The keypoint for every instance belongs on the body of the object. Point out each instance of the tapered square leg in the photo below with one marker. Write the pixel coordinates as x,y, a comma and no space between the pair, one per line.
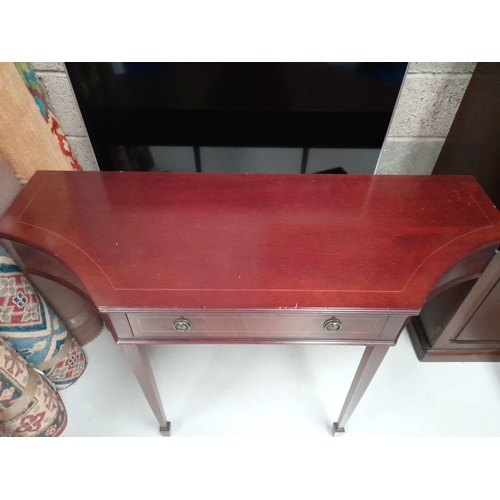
139,362
368,366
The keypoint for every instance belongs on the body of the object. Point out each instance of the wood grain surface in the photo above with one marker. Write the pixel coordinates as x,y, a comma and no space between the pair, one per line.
162,240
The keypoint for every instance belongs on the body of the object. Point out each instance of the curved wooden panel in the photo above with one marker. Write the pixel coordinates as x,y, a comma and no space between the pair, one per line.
39,263
467,268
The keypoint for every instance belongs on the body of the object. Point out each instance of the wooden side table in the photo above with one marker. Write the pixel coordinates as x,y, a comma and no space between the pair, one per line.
215,258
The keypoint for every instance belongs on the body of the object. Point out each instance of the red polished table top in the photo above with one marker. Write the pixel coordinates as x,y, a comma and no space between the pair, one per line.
148,240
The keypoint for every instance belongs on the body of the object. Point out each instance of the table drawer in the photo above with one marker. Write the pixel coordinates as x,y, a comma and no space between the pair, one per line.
286,325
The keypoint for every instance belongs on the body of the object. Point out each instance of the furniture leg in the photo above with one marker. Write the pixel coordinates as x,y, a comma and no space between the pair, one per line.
368,366
139,362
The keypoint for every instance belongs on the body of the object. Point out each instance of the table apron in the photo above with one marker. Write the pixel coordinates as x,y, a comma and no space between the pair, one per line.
255,328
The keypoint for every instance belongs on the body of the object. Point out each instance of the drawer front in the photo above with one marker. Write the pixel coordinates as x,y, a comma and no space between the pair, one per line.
284,325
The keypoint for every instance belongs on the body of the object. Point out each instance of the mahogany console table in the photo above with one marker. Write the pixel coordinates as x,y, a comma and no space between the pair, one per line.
215,258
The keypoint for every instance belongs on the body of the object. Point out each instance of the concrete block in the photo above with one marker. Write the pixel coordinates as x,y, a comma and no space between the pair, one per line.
63,103
82,150
427,105
415,156
442,67
48,66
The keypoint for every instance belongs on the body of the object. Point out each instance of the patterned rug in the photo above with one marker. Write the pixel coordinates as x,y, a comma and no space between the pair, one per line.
5,431
37,91
30,326
29,405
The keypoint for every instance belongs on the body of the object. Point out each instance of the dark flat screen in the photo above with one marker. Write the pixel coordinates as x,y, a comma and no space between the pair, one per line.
129,108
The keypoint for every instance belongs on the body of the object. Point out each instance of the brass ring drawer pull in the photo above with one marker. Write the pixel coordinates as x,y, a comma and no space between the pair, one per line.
332,325
182,325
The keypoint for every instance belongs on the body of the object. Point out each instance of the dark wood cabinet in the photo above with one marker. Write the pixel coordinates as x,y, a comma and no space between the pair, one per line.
461,322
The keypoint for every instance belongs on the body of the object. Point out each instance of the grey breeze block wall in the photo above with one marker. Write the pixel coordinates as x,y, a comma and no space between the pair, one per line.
427,104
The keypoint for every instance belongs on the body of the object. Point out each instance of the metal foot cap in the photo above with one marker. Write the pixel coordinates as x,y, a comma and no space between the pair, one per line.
165,431
337,430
